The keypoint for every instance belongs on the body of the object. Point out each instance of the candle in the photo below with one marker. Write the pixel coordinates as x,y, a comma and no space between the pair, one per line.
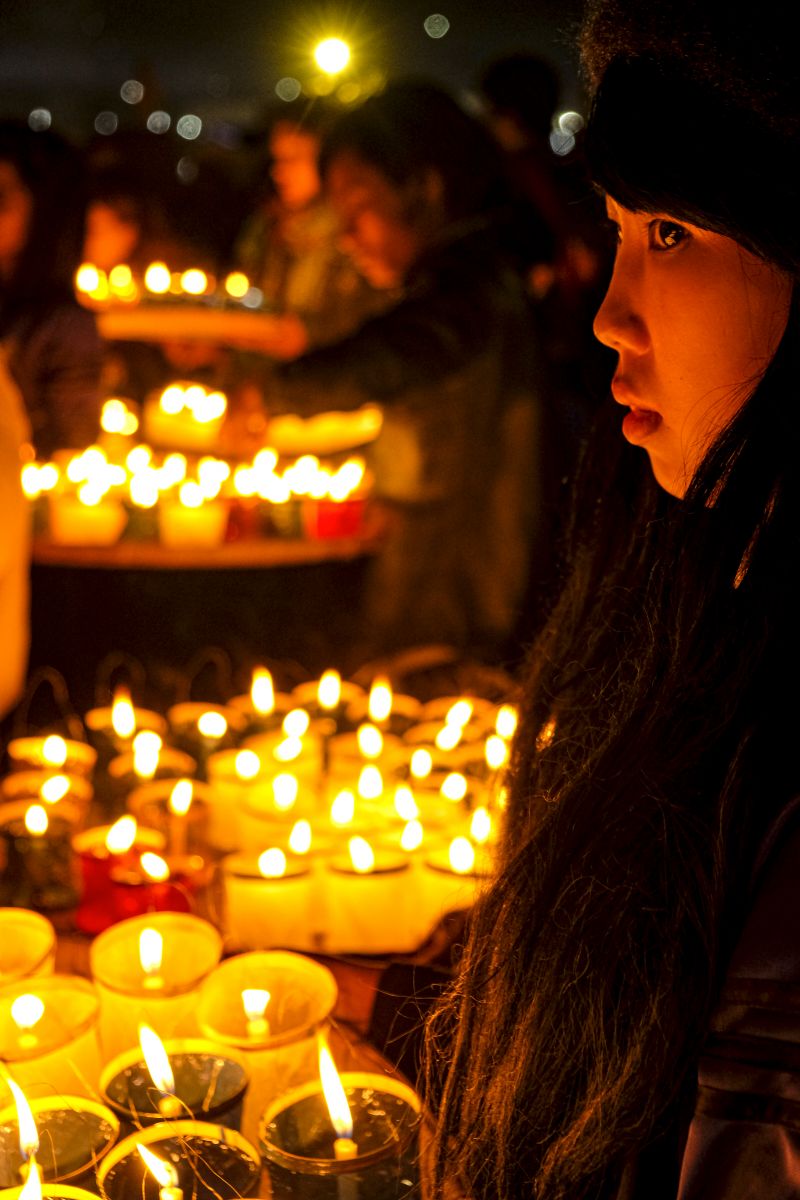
27,944
203,729
48,1035
336,1100
269,901
48,787
38,855
74,1135
192,520
164,1173
98,851
148,760
367,901
385,708
115,725
188,950
262,706
51,752
302,995
175,1080
185,832
452,879
211,1162
90,518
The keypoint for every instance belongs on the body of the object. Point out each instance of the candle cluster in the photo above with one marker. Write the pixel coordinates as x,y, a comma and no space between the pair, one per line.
121,286
94,496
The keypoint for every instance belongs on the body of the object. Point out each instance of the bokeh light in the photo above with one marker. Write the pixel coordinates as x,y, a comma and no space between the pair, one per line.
132,92
436,25
288,89
332,55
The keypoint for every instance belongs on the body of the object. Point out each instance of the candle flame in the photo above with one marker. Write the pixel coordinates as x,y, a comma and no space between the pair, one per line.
194,281
480,828
272,863
380,699
121,835
36,820
28,1134
157,278
288,750
54,751
343,808
181,797
412,836
123,718
362,856
262,692
151,951
27,1011
334,1093
54,789
421,763
448,737
300,837
284,791
329,691
154,866
212,724
506,723
454,787
370,741
247,764
461,855
157,1061
296,723
460,713
163,1172
146,751
496,752
254,1002
405,805
32,1188
370,783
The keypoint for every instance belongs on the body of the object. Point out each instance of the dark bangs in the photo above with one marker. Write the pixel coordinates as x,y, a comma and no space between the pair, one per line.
658,141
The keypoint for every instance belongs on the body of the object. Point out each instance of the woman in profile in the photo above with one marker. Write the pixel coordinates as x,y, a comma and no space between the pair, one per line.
626,1019
53,350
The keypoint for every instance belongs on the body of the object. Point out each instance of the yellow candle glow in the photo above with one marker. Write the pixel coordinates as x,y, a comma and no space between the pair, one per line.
164,1174
154,866
212,725
157,278
123,718
460,713
26,1013
380,699
329,691
461,855
506,723
448,737
300,837
36,820
362,856
370,741
247,764
262,692
181,797
272,863
480,827
151,957
285,788
343,808
336,1100
421,763
54,751
54,789
454,787
496,752
412,836
370,783
296,723
157,1062
254,1002
146,751
405,805
121,835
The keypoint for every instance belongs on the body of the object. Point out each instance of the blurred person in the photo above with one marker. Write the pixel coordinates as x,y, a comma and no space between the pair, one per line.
454,363
14,540
289,247
53,350
126,223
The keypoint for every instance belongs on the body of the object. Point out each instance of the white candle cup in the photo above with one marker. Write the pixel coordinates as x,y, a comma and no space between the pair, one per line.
346,759
75,757
443,890
306,695
281,1049
27,945
298,1141
183,833
172,764
74,1135
99,724
303,756
210,1084
367,912
204,526
74,523
228,789
59,1052
211,1163
167,998
404,712
263,722
263,913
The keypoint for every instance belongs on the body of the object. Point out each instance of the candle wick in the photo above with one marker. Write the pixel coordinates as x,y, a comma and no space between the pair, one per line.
344,1148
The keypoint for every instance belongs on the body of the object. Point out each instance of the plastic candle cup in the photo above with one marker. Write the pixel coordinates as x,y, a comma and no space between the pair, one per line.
367,900
98,850
328,697
112,728
190,520
280,1045
452,878
149,759
74,1135
38,854
49,752
48,1035
211,1162
298,1140
150,886
390,711
191,1079
27,945
263,707
203,729
89,518
233,775
184,831
269,901
49,787
149,969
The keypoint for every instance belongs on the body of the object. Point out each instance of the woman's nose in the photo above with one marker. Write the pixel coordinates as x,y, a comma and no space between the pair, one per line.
620,320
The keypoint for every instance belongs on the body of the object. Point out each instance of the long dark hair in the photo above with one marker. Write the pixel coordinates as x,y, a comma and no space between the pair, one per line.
654,749
43,274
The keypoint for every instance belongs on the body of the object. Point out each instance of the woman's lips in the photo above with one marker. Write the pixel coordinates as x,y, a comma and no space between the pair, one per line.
640,423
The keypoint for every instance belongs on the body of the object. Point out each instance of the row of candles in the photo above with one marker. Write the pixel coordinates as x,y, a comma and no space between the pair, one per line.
88,498
331,818
161,1075
98,288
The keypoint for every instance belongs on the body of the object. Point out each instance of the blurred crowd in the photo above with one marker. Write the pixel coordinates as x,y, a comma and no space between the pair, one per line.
441,264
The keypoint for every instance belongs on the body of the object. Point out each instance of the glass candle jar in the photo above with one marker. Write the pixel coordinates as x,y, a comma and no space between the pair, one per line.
48,1035
74,1135
211,1163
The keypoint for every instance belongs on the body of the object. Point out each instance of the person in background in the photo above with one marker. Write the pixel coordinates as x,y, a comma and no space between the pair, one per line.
460,464
53,350
289,247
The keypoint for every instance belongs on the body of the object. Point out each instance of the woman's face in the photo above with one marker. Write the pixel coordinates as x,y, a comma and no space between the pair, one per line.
695,320
373,215
16,204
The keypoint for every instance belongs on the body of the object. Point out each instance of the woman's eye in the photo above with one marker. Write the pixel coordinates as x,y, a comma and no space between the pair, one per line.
666,235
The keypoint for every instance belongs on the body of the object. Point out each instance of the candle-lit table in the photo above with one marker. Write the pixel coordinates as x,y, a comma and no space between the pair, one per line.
253,554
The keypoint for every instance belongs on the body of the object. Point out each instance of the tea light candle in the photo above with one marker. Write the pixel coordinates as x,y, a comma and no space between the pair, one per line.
384,708
263,708
38,858
46,1191
191,520
232,775
27,944
149,886
453,878
302,995
269,901
201,729
52,752
211,1162
179,1079
299,1139
179,809
137,984
329,697
48,1035
367,898
164,1173
86,519
114,726
48,787
98,850
150,759
74,1135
